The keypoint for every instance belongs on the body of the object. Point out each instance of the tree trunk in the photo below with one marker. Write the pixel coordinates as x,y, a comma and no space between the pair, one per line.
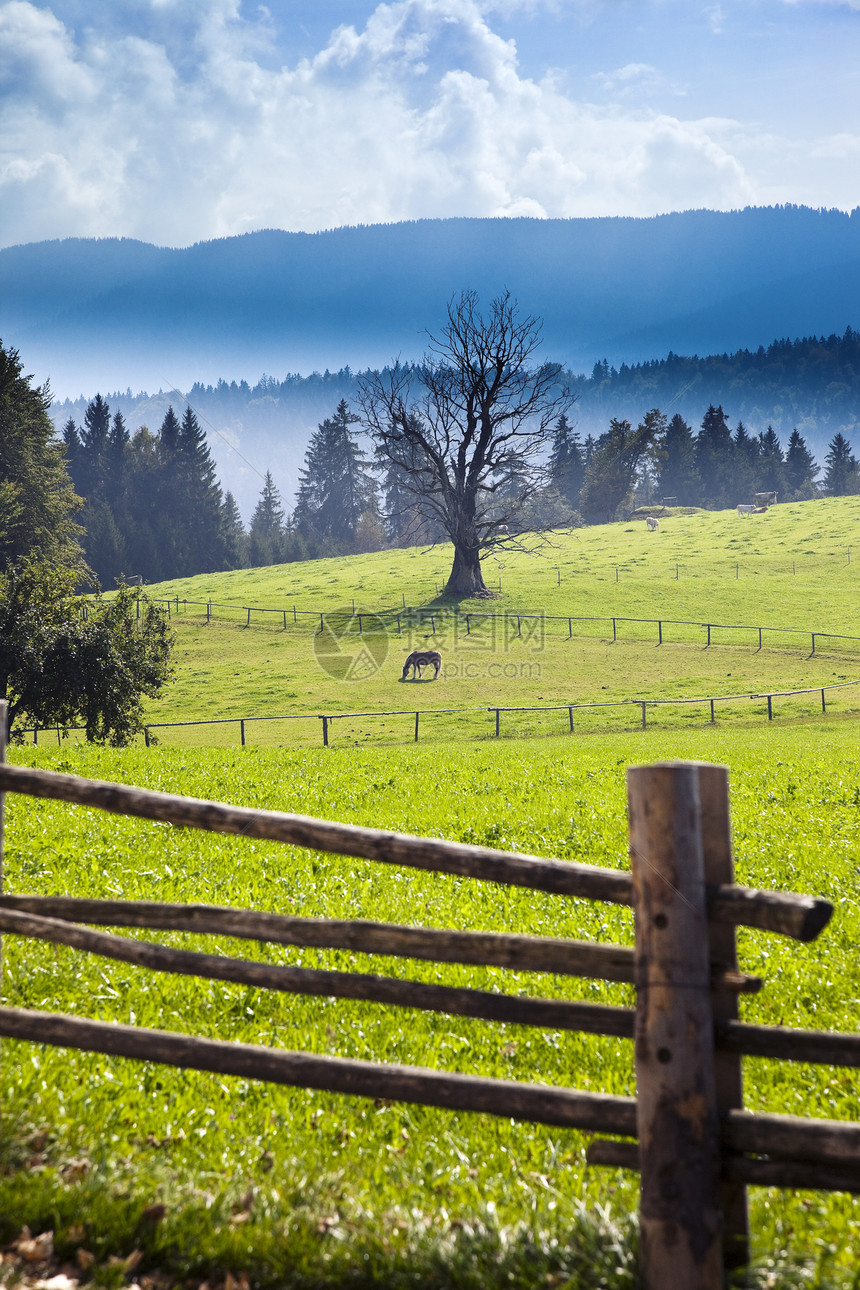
466,579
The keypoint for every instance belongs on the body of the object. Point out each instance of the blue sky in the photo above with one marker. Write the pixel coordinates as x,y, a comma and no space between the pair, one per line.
175,121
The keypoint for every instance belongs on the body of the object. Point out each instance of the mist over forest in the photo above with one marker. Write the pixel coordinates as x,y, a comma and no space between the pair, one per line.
810,384
737,327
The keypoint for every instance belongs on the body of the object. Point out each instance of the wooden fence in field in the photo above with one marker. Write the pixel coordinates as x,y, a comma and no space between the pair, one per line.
492,711
685,1131
420,618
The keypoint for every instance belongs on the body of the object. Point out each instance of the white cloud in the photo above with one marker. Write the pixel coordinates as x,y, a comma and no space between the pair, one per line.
423,112
635,81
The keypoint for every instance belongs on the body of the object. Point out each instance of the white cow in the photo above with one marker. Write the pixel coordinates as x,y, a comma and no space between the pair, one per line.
652,524
746,510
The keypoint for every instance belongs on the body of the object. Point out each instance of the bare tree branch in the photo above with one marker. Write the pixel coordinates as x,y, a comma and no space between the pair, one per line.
465,431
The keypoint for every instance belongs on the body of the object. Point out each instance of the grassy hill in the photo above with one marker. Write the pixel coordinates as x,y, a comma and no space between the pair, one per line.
793,567
301,1189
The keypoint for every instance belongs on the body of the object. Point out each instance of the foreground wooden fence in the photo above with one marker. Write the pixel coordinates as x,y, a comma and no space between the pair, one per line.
685,1130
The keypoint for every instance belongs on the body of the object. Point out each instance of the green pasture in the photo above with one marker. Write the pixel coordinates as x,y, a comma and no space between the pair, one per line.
694,559
304,1189
564,650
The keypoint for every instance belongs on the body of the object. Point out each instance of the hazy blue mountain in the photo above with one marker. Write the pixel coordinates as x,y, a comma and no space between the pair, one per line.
107,314
116,314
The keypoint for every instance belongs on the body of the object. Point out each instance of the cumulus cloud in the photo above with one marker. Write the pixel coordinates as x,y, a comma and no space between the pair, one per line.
176,122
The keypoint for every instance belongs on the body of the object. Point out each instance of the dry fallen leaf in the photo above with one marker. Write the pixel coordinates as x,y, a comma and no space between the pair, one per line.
132,1261
35,1249
84,1259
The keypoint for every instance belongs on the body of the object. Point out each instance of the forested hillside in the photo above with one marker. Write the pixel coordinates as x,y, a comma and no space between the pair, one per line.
812,385
152,503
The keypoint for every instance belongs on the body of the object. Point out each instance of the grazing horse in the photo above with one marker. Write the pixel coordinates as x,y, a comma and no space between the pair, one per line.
652,523
422,658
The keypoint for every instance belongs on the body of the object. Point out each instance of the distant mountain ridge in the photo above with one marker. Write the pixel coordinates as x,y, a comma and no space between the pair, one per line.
112,313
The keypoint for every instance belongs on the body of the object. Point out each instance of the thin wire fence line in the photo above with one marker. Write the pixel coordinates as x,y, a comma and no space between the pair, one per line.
507,616
492,709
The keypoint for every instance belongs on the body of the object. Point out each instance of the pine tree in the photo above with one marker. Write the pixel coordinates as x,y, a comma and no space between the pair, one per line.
266,534
115,458
90,474
201,516
167,505
744,472
567,460
611,473
842,476
678,476
800,468
713,457
336,488
771,463
38,502
233,535
143,501
74,450
168,437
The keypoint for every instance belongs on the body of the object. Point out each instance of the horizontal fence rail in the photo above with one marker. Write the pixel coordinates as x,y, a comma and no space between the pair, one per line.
591,1018
542,1104
591,959
826,1176
422,617
495,712
791,914
824,1142
485,949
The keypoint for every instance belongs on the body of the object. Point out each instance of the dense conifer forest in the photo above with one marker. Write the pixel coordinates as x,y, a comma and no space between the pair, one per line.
153,507
810,384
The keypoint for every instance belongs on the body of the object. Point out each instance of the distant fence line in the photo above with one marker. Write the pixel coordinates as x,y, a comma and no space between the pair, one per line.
421,616
674,570
493,711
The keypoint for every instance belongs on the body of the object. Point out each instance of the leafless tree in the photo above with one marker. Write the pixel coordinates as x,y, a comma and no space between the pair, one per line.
466,428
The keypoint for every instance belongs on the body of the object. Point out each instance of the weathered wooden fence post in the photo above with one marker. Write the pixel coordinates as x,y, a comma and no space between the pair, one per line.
728,1074
677,1119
